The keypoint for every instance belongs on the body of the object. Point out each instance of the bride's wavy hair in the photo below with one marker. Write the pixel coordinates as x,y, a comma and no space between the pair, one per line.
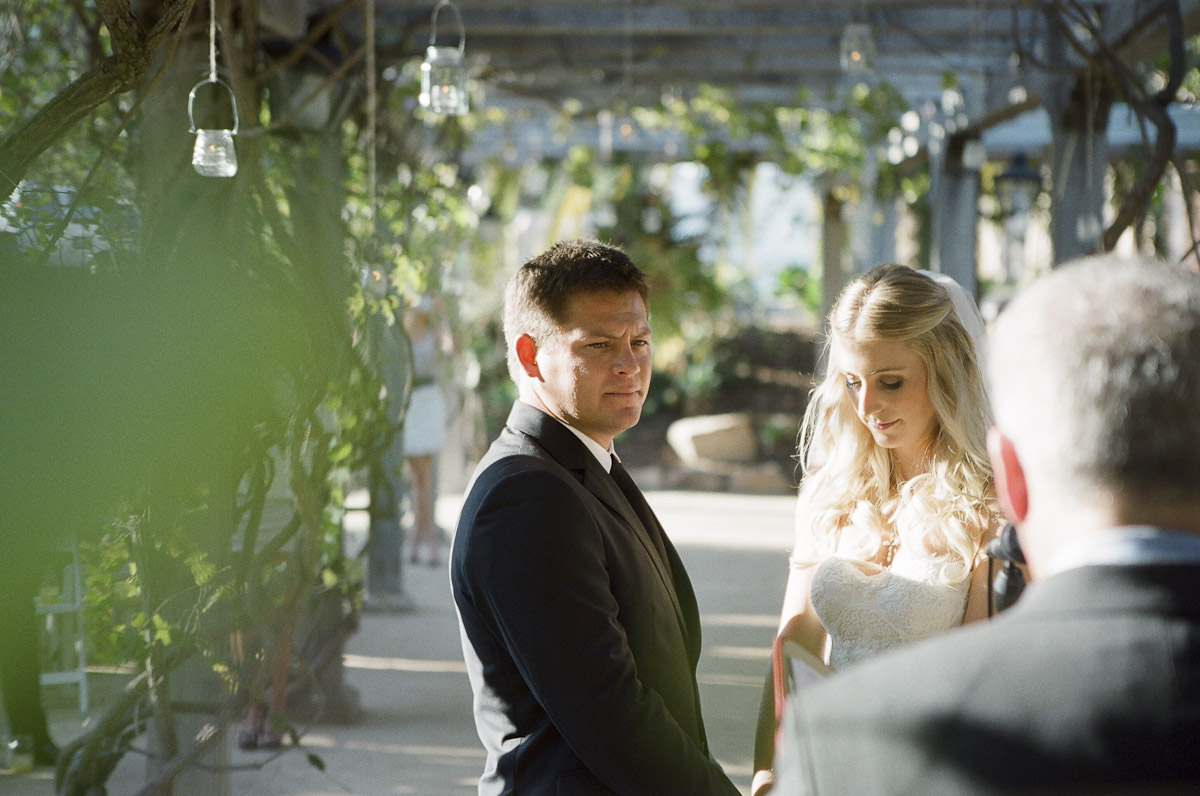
851,482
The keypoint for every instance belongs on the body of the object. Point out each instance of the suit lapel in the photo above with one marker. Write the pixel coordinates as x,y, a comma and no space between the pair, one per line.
568,451
631,506
637,501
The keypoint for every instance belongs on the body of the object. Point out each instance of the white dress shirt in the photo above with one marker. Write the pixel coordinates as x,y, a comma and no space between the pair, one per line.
605,457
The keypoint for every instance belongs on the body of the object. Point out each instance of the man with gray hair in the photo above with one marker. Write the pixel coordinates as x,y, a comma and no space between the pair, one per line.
1091,682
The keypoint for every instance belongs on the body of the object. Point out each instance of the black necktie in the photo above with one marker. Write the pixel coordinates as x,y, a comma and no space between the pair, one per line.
641,508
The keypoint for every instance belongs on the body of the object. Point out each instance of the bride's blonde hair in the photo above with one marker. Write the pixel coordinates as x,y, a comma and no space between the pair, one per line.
851,494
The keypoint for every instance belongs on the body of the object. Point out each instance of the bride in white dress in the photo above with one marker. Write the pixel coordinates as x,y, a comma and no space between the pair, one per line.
897,503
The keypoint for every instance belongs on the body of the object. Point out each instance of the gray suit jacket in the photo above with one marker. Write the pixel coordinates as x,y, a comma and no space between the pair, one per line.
580,628
1089,684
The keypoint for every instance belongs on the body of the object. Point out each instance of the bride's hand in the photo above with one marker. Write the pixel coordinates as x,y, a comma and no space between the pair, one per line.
763,782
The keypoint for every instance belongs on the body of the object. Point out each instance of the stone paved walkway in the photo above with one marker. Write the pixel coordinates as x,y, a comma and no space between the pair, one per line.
417,735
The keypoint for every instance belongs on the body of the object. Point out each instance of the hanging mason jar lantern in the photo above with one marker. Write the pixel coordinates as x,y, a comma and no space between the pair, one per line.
443,72
857,48
213,155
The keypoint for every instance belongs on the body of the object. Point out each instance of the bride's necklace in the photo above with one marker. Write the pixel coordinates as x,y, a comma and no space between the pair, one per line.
888,550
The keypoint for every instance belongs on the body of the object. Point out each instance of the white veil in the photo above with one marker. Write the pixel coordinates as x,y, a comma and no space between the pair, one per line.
968,315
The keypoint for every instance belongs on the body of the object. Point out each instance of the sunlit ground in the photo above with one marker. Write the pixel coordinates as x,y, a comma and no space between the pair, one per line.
417,734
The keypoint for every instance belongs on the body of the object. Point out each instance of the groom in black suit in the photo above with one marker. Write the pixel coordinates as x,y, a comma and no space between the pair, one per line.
579,625
1091,682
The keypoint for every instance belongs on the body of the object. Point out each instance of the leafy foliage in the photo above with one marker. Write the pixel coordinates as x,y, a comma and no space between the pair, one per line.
224,330
243,391
42,44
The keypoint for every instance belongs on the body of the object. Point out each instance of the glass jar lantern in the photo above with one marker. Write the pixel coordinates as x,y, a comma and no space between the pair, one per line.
444,71
213,154
857,48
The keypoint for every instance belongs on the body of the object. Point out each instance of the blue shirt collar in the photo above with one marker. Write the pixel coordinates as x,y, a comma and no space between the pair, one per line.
1126,546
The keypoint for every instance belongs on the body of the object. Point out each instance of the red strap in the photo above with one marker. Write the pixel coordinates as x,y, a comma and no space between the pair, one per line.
779,677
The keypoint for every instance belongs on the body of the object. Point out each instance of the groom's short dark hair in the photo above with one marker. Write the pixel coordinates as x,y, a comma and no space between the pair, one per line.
537,295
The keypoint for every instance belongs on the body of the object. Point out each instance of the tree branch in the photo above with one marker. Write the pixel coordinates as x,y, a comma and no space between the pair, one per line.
117,74
1189,209
1143,189
322,27
1106,62
127,38
1155,109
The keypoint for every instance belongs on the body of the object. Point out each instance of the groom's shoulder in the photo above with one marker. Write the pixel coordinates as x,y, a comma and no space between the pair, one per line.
515,460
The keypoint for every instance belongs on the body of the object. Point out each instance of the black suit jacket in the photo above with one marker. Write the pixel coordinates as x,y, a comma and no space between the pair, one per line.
581,637
1089,684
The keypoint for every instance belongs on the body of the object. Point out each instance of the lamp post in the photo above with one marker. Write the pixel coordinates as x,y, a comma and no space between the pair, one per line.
1017,188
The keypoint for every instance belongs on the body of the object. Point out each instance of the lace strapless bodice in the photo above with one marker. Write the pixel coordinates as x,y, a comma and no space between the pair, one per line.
867,613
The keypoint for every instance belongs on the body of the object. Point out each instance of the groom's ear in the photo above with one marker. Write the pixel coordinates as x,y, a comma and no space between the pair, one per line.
526,350
1009,476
